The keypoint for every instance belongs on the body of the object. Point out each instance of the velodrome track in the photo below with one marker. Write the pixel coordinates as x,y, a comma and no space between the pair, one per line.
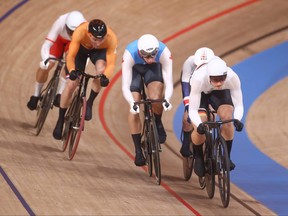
102,179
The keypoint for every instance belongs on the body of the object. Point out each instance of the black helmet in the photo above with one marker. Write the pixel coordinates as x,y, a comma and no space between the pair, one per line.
97,28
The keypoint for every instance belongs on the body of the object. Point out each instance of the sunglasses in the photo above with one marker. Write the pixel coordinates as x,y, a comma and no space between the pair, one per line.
148,55
216,79
69,31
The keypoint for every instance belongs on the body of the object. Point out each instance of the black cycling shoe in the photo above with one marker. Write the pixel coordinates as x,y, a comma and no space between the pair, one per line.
161,132
139,159
57,133
232,165
199,167
185,150
32,103
57,100
88,115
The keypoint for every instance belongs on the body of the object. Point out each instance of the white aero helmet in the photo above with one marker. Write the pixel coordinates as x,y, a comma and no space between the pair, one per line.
203,55
74,19
148,45
217,67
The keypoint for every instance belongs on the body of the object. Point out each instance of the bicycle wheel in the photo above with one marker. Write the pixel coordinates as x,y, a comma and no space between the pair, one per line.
223,171
209,174
155,151
46,103
67,124
146,147
77,126
188,163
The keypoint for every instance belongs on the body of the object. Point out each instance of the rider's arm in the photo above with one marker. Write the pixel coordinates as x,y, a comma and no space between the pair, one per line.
194,101
187,70
127,64
74,46
166,61
111,54
237,98
51,37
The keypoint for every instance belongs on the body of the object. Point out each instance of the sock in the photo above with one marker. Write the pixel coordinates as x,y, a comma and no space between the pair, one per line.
62,83
38,88
158,118
198,150
187,136
92,97
137,142
62,112
229,146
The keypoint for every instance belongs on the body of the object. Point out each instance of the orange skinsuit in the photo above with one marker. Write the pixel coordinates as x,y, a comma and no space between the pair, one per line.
80,36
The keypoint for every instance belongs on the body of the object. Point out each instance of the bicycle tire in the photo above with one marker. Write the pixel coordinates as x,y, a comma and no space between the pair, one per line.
223,171
67,125
209,167
46,103
187,164
77,126
155,151
147,149
202,182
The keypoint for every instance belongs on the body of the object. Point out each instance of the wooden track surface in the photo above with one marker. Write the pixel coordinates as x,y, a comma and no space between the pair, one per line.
102,178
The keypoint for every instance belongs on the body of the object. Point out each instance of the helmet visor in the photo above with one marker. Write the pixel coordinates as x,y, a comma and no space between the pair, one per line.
152,54
217,79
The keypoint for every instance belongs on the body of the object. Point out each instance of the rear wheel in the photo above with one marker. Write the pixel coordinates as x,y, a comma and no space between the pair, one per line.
223,171
187,164
155,152
46,103
77,126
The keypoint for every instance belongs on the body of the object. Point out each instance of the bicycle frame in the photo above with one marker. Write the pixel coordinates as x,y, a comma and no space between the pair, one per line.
47,95
75,116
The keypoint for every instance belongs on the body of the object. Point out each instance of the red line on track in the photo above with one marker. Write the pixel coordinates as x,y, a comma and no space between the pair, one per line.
118,74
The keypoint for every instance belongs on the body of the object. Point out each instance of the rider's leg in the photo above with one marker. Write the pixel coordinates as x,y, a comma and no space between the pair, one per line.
64,104
61,87
225,112
187,130
100,66
41,78
155,91
135,129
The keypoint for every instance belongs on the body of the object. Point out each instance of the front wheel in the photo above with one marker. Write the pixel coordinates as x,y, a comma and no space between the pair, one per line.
77,126
155,151
223,171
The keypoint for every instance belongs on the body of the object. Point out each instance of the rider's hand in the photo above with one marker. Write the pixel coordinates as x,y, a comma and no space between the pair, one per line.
134,109
167,105
104,81
238,125
201,128
43,65
74,74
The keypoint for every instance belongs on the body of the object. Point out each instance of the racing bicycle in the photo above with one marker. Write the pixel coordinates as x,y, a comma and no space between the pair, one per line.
47,95
149,136
75,115
217,162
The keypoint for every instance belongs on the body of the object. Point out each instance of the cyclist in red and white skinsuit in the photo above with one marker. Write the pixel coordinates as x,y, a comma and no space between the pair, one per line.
219,86
202,56
55,45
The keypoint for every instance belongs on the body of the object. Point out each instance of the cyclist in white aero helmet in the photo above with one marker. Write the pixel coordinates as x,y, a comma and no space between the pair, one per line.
55,45
151,59
202,56
216,85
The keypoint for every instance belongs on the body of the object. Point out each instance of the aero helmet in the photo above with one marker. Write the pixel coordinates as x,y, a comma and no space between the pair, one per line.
148,45
97,28
217,67
203,55
74,19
